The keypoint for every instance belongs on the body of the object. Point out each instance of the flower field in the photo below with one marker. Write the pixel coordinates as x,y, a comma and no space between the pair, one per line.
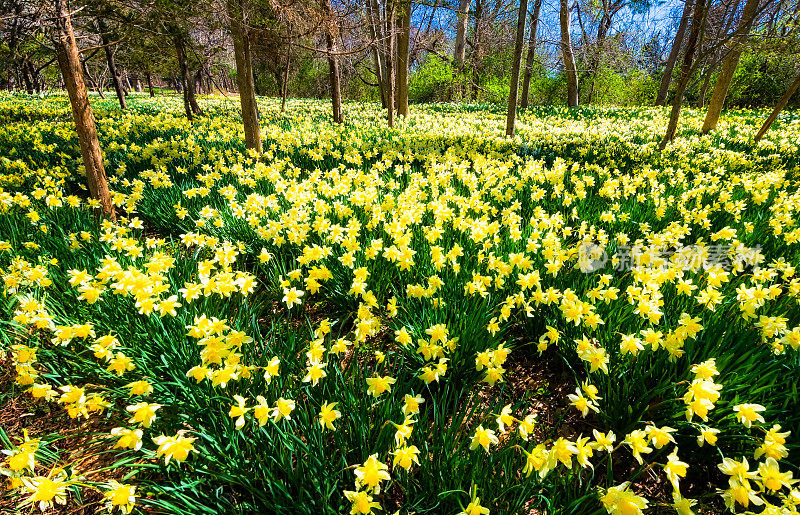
426,319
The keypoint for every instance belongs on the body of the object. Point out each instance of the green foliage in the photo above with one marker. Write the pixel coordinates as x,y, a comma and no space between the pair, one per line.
431,82
762,78
633,88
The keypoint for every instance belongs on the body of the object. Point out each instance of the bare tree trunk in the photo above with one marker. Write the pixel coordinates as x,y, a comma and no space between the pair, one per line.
36,78
376,34
127,84
112,67
336,86
285,88
150,84
186,78
729,67
568,56
511,117
403,39
526,81
26,78
793,87
663,88
460,51
698,25
594,64
477,47
244,77
701,100
88,76
70,65
389,35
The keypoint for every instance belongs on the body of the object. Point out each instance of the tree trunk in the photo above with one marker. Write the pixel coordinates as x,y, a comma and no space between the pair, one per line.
477,48
778,108
112,67
89,78
663,88
126,84
70,65
36,78
698,25
389,34
460,51
376,34
150,84
701,100
568,56
526,81
729,67
26,78
333,70
594,64
285,84
186,78
403,39
244,77
511,117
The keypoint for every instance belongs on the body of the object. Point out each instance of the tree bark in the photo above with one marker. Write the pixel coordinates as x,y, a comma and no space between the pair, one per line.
376,34
88,77
150,84
26,78
389,35
336,86
729,67
477,47
244,77
701,99
403,39
70,65
568,56
36,78
186,78
460,51
698,25
112,67
666,79
594,64
285,82
793,87
526,81
511,117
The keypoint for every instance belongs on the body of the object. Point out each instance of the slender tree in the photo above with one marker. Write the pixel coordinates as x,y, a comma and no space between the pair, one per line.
460,50
698,26
389,59
244,75
403,39
568,55
72,73
526,81
666,78
729,66
511,117
333,61
116,80
372,17
793,87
